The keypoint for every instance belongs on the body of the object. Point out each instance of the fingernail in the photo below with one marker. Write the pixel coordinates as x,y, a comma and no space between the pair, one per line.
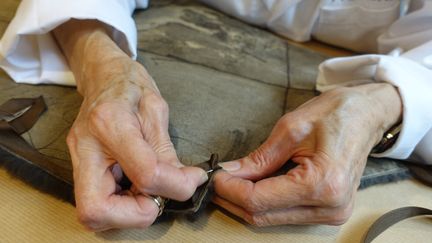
204,177
230,166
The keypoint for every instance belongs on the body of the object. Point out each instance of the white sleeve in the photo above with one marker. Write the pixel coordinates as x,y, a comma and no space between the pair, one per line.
293,19
411,73
28,51
414,83
411,30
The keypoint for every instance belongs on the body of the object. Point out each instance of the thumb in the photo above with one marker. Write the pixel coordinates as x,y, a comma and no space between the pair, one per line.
265,160
257,165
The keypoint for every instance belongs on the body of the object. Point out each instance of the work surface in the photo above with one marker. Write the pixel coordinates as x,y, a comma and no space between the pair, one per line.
29,216
211,111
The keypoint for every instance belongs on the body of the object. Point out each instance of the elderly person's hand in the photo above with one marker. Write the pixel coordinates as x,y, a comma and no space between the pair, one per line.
329,138
122,126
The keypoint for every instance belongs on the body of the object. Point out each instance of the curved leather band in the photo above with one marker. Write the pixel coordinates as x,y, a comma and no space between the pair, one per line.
393,217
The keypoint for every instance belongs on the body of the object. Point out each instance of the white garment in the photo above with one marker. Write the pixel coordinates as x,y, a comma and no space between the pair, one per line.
30,55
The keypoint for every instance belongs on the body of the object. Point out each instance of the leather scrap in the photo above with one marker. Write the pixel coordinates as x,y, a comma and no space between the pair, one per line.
393,217
21,114
21,159
18,116
423,173
202,195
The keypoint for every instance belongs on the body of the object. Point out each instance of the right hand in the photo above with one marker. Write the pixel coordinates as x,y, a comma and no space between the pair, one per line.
122,126
329,138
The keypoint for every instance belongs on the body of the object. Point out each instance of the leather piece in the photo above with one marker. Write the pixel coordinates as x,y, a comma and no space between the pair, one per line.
199,200
422,173
230,90
202,195
13,122
22,114
393,217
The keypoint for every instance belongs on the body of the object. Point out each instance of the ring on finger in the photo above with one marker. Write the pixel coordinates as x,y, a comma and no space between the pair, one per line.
159,201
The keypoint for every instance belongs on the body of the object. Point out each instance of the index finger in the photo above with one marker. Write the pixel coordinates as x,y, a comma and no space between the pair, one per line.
142,164
272,193
98,207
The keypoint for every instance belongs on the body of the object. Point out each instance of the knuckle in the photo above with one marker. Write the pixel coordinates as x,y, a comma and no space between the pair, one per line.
337,192
341,216
101,111
156,102
295,130
100,115
91,215
330,187
251,204
298,132
260,158
164,146
257,220
287,120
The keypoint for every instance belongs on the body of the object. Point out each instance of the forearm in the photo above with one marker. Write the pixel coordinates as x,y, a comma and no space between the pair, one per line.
94,58
385,106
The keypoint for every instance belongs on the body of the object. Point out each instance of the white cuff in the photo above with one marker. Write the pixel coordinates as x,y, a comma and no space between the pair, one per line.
413,80
29,53
293,19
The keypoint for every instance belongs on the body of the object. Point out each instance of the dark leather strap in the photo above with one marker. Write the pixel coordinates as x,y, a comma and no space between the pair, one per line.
202,195
422,173
393,217
21,114
18,116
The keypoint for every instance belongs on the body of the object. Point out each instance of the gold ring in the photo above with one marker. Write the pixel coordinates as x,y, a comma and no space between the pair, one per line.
160,202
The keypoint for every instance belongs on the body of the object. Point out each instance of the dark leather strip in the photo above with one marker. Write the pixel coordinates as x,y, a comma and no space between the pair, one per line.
15,145
422,173
22,114
18,116
393,217
202,195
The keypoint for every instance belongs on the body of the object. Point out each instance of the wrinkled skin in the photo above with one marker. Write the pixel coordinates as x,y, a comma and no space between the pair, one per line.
329,138
122,128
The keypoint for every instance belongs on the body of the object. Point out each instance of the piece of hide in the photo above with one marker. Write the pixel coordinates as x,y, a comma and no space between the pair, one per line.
226,82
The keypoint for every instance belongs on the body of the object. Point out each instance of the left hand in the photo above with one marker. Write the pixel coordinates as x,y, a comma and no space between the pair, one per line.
329,138
122,126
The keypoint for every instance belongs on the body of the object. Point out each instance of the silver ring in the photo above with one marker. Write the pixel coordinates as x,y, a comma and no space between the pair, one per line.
160,202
